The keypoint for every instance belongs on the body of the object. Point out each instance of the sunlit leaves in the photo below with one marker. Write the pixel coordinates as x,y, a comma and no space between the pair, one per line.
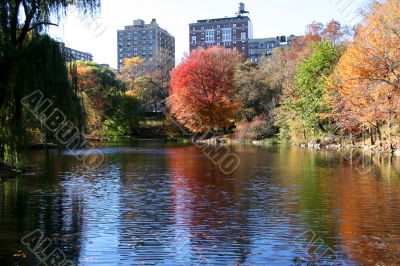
368,73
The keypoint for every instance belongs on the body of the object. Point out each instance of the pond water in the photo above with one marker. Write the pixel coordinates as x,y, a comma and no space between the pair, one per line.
151,203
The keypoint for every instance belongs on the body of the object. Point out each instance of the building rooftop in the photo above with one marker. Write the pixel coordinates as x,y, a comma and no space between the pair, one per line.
221,19
139,24
277,38
270,39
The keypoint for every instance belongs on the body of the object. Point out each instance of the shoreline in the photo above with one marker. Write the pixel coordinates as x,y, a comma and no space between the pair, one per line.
333,146
9,172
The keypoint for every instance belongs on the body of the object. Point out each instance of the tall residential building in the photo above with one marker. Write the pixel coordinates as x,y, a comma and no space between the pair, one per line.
264,46
74,55
230,32
144,41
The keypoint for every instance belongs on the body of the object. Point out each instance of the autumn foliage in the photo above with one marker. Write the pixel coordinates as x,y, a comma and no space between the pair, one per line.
202,93
367,78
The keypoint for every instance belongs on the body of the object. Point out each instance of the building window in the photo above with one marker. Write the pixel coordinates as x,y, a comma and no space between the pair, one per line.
244,37
210,36
193,40
226,35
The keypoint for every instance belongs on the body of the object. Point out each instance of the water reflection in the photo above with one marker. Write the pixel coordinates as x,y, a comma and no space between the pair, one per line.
151,203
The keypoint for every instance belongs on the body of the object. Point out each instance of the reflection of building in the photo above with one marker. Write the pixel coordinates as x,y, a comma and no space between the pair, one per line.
74,55
144,41
263,47
230,32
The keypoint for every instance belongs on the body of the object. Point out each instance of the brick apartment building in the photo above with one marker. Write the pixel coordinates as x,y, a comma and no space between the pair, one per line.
230,32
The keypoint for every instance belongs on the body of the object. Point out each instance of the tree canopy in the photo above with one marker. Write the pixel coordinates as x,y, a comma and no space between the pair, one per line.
202,94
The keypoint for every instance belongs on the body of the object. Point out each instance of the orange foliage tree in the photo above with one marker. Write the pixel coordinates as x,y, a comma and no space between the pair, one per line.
202,93
96,86
87,79
369,70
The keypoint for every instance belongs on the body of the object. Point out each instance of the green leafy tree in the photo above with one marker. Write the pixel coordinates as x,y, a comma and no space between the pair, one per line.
123,116
310,91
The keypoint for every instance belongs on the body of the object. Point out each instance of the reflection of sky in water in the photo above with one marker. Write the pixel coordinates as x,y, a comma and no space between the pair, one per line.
166,205
101,212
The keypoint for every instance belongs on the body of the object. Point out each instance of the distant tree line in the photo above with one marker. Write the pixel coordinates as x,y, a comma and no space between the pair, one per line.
333,84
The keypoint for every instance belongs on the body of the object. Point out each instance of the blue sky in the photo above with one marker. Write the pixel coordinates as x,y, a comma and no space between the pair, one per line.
270,18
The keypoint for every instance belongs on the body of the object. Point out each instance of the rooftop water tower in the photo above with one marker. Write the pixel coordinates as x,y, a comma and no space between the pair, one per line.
242,10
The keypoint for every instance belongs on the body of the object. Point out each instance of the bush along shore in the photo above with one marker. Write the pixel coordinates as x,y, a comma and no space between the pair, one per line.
326,143
337,144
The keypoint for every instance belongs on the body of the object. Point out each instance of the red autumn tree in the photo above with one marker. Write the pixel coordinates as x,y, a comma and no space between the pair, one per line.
202,93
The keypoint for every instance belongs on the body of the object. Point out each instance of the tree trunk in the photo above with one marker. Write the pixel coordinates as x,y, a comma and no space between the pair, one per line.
351,138
1,153
321,127
390,133
378,131
363,137
371,135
